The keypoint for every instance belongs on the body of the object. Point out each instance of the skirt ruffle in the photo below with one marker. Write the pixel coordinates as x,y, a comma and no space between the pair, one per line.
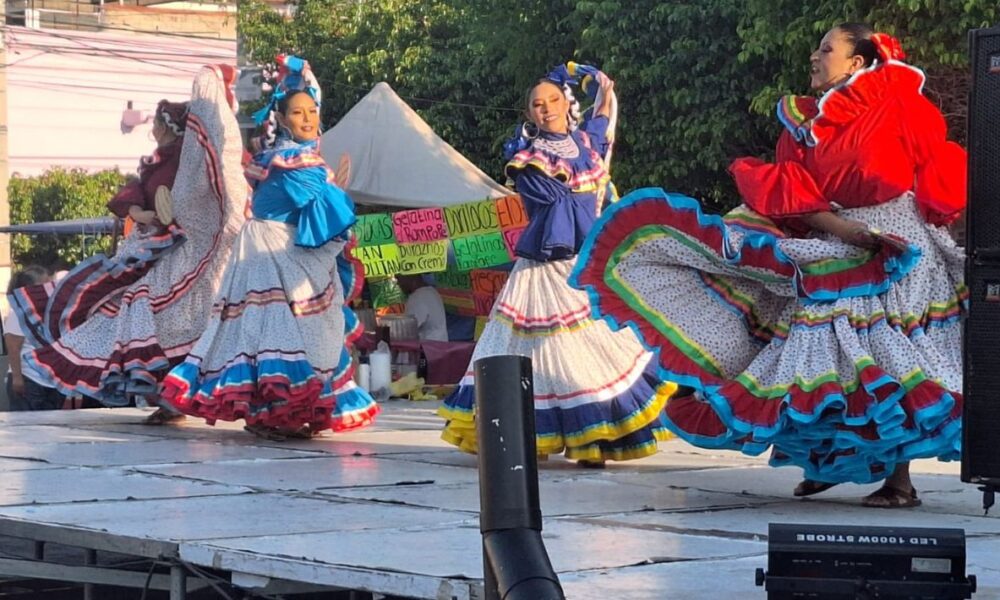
112,328
597,394
846,362
276,351
49,310
98,286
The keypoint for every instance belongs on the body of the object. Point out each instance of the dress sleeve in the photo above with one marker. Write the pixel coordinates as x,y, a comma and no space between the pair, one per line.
326,211
783,188
597,130
539,189
557,222
130,195
941,166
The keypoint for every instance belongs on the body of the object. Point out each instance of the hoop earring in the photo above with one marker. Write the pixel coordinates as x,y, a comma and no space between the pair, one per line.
529,130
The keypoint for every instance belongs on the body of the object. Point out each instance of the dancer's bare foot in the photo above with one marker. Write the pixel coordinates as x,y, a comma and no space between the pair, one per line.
163,416
281,434
272,434
888,496
808,487
302,433
896,492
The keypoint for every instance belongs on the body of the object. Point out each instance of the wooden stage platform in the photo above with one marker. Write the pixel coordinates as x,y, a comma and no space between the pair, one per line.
392,510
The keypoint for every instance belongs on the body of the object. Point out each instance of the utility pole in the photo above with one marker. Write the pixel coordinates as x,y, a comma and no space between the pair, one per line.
5,267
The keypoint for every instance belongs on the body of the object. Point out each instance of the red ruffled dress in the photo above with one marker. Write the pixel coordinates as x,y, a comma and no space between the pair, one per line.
844,361
159,168
113,327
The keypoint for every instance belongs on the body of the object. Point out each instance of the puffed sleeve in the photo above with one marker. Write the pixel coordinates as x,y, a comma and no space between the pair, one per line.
941,166
538,189
597,130
130,195
783,188
326,211
558,222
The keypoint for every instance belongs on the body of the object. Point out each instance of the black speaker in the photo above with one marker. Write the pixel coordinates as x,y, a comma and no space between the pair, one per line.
982,219
981,419
981,337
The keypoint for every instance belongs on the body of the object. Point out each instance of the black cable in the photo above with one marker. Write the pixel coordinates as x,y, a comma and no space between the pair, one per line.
149,580
210,578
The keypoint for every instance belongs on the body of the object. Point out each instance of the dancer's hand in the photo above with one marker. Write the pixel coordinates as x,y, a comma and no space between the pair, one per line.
856,233
606,83
17,385
342,177
606,94
143,217
850,231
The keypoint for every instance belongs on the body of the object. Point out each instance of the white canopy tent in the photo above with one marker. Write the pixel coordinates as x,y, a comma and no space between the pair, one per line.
398,160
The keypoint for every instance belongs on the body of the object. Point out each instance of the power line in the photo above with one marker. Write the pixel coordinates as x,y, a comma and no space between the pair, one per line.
158,32
49,88
123,54
111,49
112,52
169,34
117,84
34,38
445,102
100,53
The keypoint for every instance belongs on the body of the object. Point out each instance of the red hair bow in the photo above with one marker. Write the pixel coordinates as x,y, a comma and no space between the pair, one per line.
888,47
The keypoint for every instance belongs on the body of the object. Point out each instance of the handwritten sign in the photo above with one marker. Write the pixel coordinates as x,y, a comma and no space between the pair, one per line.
386,292
379,261
423,258
483,303
374,230
511,213
510,238
453,279
477,252
421,225
471,218
457,302
487,281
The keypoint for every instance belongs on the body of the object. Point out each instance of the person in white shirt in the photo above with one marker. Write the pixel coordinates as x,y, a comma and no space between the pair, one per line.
27,388
424,303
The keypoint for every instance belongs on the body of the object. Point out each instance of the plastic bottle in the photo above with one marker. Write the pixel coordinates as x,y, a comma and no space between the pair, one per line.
381,371
363,377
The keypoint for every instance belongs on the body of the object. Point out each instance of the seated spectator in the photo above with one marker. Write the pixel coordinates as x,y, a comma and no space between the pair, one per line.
24,383
424,303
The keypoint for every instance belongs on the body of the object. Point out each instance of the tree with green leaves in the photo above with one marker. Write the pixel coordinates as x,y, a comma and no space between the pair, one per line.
698,80
933,34
59,195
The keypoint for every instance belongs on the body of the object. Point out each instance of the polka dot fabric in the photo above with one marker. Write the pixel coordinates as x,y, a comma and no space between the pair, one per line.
842,361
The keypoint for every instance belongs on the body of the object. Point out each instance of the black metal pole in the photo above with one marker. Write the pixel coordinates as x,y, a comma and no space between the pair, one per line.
515,563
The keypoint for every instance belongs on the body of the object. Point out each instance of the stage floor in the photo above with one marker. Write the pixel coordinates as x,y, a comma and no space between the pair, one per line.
392,509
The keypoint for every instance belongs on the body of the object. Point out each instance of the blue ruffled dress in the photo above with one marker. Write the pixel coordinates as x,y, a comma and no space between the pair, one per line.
597,396
276,350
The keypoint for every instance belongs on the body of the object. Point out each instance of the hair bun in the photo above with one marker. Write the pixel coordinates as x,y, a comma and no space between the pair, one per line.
173,115
888,47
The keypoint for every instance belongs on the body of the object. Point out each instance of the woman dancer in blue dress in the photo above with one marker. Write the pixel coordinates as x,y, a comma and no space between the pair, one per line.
275,350
596,394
